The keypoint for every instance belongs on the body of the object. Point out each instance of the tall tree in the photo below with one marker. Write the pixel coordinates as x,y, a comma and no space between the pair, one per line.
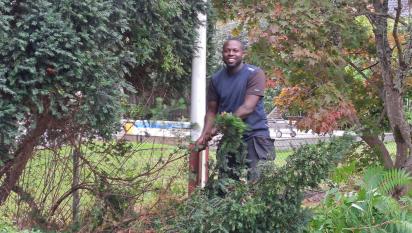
162,35
61,64
65,64
342,63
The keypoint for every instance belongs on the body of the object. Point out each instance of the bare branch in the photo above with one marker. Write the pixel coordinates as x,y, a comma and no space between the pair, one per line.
378,145
394,18
67,194
356,68
23,155
408,50
155,168
366,68
27,197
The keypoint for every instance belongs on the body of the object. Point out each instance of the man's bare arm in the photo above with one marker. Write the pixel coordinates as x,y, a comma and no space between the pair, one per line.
247,107
211,111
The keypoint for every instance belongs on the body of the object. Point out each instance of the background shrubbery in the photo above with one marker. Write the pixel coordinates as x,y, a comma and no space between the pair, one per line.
368,209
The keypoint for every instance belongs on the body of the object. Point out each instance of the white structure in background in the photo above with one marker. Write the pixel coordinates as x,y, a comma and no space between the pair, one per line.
155,129
198,92
406,8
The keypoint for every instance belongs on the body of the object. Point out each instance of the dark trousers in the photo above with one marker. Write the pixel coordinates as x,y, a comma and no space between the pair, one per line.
259,150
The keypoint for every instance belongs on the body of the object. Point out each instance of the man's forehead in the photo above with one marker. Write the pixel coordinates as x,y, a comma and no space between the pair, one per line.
233,44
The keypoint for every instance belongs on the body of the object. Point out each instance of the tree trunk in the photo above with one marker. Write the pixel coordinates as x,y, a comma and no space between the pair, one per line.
377,145
392,85
22,156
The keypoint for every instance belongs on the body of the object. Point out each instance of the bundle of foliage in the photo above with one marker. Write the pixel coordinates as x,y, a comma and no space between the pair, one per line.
271,204
231,155
342,64
370,209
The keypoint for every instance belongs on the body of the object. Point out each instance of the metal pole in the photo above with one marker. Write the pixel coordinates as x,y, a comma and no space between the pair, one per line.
198,92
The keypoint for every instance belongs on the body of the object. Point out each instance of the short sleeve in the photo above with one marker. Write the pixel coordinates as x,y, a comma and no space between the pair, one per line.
211,92
256,84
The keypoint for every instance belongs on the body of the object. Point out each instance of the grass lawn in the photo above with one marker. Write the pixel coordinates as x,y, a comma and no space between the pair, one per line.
49,175
281,156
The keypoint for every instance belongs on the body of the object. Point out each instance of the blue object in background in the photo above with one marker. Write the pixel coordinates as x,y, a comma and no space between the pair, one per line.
161,124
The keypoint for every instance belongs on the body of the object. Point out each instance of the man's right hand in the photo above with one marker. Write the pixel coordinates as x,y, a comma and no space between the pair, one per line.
201,142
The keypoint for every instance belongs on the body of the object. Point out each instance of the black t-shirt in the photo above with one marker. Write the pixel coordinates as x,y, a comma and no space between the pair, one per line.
230,90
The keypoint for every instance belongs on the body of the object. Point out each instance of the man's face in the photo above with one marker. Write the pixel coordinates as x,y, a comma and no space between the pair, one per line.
232,53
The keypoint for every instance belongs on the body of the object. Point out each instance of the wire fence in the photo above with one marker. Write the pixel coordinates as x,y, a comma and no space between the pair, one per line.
286,137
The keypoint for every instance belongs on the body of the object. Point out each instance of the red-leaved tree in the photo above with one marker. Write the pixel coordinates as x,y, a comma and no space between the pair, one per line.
342,63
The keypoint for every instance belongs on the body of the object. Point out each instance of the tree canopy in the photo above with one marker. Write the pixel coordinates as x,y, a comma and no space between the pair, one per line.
342,64
162,34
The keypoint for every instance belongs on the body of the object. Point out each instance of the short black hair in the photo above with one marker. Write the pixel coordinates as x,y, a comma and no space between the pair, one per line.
238,39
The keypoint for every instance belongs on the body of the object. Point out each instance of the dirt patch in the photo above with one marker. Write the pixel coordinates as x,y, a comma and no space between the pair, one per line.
313,197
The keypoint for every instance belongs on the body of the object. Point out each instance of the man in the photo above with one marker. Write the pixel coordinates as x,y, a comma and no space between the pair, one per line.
238,88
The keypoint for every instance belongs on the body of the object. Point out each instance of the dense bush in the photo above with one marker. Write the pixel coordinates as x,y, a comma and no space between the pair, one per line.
66,65
272,204
71,61
60,60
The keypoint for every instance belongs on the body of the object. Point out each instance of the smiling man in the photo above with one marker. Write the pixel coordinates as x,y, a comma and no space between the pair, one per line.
238,88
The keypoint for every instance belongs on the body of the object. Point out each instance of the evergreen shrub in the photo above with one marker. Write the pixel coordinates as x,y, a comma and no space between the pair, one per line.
271,204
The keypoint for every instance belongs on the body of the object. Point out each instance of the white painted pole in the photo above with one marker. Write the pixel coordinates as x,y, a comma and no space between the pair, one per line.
198,92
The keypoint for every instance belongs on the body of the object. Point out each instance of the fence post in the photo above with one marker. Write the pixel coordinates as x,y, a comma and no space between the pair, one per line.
198,168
